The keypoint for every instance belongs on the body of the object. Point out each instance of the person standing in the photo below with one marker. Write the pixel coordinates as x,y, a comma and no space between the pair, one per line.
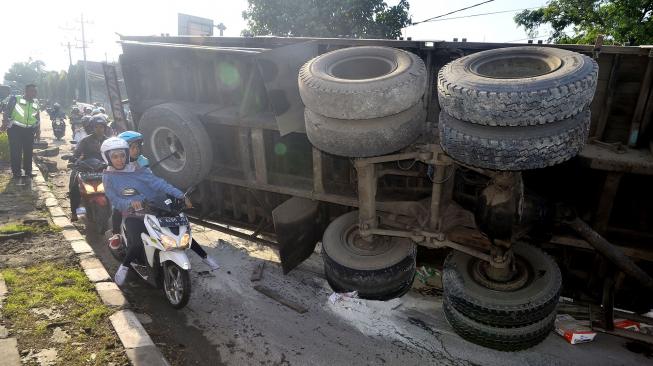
21,121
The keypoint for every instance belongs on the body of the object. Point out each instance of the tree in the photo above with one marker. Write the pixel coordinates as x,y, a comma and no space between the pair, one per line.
54,86
23,73
326,18
620,21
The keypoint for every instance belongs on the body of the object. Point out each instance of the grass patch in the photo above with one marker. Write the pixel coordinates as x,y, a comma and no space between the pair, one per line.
65,291
31,229
4,147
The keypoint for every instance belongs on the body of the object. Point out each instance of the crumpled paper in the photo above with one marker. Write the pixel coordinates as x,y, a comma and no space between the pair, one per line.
335,297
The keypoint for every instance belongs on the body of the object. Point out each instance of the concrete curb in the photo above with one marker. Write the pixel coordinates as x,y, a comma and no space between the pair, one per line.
8,346
138,345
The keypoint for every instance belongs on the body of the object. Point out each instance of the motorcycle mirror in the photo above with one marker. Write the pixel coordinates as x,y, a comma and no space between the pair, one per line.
129,192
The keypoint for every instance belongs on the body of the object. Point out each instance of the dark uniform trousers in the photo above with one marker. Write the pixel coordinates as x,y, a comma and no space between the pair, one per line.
21,143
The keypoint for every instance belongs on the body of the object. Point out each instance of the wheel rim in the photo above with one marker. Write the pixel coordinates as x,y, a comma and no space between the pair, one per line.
361,68
343,245
173,284
165,142
356,244
520,278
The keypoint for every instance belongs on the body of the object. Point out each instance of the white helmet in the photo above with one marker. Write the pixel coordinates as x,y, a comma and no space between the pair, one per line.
114,143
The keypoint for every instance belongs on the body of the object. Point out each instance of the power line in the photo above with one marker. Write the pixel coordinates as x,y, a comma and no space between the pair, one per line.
477,15
455,11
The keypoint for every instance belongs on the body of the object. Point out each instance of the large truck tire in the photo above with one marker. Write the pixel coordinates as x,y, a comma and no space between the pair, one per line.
530,296
172,133
379,271
362,82
513,148
499,338
363,138
517,86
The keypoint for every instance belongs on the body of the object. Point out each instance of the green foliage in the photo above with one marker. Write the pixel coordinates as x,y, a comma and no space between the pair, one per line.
23,73
31,229
54,86
4,147
64,290
620,21
326,18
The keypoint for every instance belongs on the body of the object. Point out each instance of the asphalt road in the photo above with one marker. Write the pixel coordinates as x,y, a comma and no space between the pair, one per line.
228,322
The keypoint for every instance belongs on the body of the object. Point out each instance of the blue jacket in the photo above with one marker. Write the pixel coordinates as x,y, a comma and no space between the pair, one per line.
149,187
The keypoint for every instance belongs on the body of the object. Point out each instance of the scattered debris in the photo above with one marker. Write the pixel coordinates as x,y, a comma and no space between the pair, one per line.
60,336
35,222
335,297
44,357
257,274
41,144
46,164
275,296
572,330
49,152
627,324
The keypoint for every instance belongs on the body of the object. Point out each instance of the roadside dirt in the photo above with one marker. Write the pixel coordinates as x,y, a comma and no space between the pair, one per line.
51,308
20,203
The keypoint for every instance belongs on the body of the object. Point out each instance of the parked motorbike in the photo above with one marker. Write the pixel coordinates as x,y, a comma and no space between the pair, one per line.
58,128
164,262
94,202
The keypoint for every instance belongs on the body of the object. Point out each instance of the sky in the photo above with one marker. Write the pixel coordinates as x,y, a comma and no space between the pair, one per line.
42,30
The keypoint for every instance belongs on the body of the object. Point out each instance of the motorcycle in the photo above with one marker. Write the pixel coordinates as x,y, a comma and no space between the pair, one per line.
95,206
164,263
58,128
78,133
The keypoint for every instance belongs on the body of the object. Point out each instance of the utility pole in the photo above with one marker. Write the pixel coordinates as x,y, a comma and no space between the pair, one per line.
222,28
70,55
88,90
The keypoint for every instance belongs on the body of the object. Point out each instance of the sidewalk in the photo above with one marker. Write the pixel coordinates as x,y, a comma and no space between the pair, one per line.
58,303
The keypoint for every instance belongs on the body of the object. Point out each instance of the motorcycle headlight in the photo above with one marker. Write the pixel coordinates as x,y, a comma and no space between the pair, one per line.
89,188
100,188
168,242
185,241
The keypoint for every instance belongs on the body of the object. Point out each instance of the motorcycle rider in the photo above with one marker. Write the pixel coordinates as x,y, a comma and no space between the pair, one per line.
121,175
56,112
87,148
135,141
75,119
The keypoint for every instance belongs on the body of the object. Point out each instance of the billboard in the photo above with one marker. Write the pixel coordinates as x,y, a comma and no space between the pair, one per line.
189,25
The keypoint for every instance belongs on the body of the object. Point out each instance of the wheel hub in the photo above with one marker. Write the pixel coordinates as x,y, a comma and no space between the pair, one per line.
517,277
173,284
357,244
168,148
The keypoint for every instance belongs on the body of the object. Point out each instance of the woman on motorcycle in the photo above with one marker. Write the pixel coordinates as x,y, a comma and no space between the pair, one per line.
121,174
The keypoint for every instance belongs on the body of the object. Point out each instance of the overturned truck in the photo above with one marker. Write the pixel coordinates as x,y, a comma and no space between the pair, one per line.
531,162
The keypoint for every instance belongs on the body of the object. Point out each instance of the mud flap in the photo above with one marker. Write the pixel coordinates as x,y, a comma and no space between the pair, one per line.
298,231
279,68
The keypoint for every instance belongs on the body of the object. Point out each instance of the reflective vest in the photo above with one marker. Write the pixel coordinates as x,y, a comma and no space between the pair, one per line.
25,112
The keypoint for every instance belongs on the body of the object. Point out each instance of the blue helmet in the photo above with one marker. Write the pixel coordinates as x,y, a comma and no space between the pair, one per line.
131,136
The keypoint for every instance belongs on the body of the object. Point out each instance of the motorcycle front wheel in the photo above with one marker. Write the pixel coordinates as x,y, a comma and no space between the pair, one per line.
176,285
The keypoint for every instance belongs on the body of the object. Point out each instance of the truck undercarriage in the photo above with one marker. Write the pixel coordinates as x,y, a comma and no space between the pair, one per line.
227,112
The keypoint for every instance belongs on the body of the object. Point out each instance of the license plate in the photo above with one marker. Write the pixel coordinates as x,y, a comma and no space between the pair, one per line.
92,176
173,221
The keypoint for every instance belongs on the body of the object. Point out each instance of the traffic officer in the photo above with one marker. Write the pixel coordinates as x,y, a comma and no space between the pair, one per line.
21,121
